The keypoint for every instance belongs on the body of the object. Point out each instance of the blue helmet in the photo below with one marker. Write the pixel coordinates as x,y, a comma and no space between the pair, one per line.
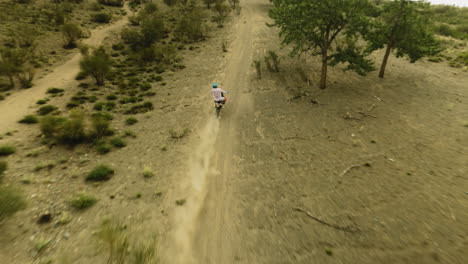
215,85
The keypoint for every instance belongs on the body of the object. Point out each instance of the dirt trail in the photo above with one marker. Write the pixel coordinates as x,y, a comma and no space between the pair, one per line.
203,224
17,105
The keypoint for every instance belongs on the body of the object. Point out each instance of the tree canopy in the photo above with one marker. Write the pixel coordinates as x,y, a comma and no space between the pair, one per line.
314,26
403,26
97,65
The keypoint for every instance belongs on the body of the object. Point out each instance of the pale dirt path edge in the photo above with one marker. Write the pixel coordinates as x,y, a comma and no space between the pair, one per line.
20,103
203,225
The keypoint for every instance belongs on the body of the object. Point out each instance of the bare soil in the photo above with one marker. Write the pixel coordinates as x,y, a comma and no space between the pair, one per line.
366,171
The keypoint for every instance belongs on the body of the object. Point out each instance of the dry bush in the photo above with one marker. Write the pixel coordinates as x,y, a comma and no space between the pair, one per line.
11,201
71,33
125,249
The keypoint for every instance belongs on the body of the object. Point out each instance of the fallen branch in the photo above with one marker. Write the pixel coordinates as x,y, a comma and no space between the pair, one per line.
372,107
377,98
366,114
349,229
367,164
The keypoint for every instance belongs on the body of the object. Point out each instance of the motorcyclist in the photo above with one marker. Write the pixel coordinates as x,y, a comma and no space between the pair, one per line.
218,95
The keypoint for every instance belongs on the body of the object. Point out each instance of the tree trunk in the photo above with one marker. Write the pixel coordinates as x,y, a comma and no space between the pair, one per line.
385,60
323,77
99,80
12,81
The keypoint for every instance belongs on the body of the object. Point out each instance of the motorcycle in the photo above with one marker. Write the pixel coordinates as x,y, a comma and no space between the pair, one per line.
219,105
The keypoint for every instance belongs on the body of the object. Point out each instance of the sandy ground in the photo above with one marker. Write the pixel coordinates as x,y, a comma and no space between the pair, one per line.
366,171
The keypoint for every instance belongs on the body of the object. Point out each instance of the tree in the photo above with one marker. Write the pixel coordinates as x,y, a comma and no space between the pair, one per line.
234,3
314,26
97,65
170,2
208,3
12,62
152,30
71,33
403,26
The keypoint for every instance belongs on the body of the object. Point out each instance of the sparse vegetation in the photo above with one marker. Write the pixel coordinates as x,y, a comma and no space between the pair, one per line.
178,134
123,249
6,150
82,201
140,108
100,173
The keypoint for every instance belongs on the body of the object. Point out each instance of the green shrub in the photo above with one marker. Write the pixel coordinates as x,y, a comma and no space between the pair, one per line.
191,27
81,76
118,142
54,90
72,131
71,33
462,58
152,30
118,46
82,201
101,17
131,37
111,97
150,8
101,126
131,121
41,102
100,173
6,150
170,2
50,125
29,119
105,116
140,108
145,86
103,148
46,109
147,172
73,104
11,201
97,65
118,3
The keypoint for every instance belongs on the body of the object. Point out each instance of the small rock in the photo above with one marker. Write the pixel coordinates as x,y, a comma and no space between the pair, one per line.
66,235
44,218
